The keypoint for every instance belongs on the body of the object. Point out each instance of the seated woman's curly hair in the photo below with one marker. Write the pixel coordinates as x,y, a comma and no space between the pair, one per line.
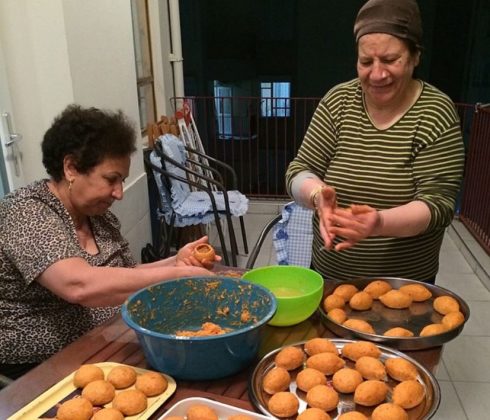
89,135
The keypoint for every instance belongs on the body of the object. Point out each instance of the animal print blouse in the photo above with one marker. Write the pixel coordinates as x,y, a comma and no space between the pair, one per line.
36,231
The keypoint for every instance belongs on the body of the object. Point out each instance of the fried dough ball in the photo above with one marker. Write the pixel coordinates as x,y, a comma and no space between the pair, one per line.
418,292
130,402
122,376
237,417
201,412
108,414
86,374
377,288
333,301
346,380
313,414
346,291
276,380
151,383
359,325
282,404
357,349
395,299
361,301
433,329
352,415
308,378
370,393
446,304
327,363
398,332
408,394
337,315
371,368
175,418
99,392
323,397
452,320
320,345
290,358
400,369
75,409
389,411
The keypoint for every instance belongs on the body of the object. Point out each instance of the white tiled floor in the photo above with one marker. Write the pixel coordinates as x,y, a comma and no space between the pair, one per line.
464,374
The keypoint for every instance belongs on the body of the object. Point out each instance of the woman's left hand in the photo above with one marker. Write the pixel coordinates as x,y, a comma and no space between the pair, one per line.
185,256
354,224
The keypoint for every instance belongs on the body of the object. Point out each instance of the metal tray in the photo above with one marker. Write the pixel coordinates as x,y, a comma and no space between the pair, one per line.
382,318
425,410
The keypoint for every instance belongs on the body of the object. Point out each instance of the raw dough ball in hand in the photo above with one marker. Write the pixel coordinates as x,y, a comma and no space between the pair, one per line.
204,252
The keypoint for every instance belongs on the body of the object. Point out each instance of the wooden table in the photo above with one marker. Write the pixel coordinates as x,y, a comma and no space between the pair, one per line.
115,342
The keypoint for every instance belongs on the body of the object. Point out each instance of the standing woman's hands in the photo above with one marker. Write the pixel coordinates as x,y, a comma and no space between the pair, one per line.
325,203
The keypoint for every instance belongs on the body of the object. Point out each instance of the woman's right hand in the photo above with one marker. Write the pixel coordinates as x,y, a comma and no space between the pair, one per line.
325,206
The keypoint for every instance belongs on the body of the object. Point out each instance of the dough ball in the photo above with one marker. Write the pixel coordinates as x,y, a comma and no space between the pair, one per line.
99,392
175,418
282,404
370,393
75,409
151,383
290,358
346,380
377,288
361,301
108,414
359,325
418,292
352,415
333,301
433,329
346,291
446,304
389,411
204,252
337,315
395,299
86,374
320,345
308,378
313,414
401,369
323,397
371,368
452,320
357,349
201,412
130,402
408,394
276,380
327,363
237,417
398,332
122,376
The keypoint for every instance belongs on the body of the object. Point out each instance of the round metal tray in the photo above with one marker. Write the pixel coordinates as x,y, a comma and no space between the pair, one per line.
425,410
382,318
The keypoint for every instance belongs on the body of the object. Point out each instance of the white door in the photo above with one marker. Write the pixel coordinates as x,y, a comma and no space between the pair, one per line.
11,173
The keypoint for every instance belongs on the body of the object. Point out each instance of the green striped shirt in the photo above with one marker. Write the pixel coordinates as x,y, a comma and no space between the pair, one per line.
420,157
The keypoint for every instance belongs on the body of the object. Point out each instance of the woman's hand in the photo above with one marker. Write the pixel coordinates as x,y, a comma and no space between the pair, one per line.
354,224
325,205
185,256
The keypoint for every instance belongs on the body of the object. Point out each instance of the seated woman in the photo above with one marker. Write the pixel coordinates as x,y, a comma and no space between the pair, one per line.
64,265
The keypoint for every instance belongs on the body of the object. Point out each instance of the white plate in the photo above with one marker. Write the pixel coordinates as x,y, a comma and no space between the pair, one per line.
222,410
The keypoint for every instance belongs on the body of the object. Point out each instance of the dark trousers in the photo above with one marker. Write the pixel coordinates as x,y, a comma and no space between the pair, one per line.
14,370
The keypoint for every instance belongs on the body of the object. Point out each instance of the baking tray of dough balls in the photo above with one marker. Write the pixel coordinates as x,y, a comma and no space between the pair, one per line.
400,313
102,391
342,379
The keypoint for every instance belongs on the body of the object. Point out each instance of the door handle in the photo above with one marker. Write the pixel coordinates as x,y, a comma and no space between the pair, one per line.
12,137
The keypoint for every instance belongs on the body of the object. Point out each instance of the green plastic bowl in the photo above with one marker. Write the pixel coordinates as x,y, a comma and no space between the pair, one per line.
298,291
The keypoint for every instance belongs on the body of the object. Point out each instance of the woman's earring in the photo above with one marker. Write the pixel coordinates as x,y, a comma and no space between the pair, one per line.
70,183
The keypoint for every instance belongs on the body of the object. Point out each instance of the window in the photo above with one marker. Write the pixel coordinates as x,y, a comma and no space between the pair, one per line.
275,99
144,72
223,96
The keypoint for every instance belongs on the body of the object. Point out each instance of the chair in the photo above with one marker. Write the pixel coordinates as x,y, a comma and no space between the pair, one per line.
192,192
292,236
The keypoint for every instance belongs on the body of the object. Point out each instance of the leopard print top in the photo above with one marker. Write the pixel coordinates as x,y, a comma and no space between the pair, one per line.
36,231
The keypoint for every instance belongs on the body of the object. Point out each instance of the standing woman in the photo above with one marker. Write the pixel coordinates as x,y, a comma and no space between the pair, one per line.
64,265
382,159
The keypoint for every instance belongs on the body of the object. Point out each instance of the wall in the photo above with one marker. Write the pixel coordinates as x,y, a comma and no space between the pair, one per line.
68,51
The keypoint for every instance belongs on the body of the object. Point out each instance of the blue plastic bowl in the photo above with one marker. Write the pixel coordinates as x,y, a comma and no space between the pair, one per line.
157,312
